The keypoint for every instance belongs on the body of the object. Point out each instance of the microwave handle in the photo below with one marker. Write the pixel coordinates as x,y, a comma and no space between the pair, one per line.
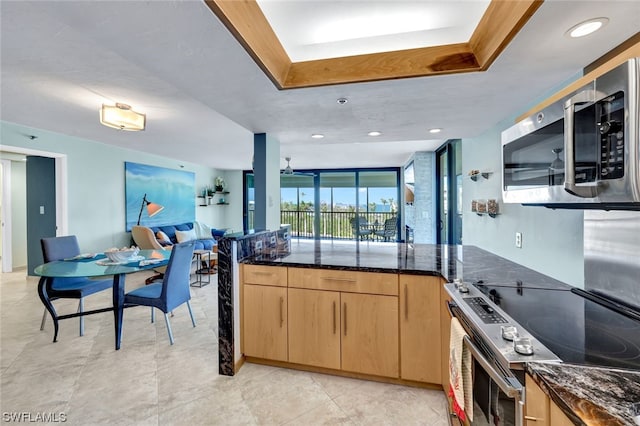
591,191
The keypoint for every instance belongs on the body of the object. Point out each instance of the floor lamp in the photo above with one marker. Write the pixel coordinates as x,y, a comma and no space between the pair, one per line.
152,208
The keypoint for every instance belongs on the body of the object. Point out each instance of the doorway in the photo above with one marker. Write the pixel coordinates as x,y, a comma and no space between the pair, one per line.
60,207
449,192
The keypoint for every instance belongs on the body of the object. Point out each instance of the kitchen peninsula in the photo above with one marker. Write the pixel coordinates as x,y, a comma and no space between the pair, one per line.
374,311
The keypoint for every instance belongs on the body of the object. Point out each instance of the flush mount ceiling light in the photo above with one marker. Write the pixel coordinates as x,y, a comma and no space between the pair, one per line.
374,133
587,27
436,130
122,117
317,136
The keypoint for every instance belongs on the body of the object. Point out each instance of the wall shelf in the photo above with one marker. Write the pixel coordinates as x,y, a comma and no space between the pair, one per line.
213,200
475,176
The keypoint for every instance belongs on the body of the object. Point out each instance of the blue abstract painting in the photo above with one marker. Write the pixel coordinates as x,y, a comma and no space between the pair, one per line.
172,189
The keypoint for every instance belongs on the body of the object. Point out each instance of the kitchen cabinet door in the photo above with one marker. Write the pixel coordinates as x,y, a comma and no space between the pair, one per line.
314,328
420,328
265,322
536,407
557,416
445,333
369,328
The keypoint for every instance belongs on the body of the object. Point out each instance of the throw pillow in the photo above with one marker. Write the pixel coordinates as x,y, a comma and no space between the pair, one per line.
162,237
203,231
183,236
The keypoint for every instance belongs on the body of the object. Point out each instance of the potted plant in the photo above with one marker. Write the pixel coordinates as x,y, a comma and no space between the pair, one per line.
219,184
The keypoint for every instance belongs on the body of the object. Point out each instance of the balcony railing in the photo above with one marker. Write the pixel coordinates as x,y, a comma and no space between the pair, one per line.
333,225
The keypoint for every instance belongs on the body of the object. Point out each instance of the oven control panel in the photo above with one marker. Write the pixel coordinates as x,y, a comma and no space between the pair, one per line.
487,314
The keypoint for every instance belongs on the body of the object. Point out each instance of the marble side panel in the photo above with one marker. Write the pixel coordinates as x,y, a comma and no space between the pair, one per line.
267,244
225,306
590,395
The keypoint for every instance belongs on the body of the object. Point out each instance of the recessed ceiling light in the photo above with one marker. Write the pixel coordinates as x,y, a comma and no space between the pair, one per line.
374,133
317,136
436,130
586,27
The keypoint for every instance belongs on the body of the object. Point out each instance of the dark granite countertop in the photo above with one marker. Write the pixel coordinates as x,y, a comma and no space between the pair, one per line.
590,395
469,263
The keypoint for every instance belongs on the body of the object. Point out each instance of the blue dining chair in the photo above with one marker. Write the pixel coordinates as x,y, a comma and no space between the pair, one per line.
60,248
174,289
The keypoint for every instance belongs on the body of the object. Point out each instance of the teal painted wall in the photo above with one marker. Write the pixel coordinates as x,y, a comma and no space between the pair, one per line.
96,184
551,239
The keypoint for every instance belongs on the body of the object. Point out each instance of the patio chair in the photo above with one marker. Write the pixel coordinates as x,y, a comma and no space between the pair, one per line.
388,233
360,228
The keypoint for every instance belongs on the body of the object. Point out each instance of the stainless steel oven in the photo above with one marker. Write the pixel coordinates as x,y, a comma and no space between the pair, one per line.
582,151
498,370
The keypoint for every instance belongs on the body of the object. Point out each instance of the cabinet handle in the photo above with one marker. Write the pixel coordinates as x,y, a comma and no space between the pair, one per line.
406,303
281,311
345,318
262,273
334,317
533,419
345,280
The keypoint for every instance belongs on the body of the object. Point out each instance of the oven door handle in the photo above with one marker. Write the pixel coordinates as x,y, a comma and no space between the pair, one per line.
509,385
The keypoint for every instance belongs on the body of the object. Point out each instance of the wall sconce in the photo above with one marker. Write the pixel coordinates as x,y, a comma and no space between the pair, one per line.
152,208
122,117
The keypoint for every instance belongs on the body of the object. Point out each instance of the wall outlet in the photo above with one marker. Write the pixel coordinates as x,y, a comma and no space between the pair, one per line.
519,239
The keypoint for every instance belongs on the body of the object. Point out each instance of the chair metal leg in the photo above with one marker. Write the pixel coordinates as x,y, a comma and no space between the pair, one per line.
153,315
80,309
193,321
166,318
44,318
42,292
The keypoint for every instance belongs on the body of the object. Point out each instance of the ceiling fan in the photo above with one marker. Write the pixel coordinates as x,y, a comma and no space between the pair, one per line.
288,171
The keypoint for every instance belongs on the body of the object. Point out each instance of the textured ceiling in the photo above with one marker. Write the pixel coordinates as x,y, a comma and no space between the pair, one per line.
205,97
315,29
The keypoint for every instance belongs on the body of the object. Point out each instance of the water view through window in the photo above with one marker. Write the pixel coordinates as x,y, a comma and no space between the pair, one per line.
353,204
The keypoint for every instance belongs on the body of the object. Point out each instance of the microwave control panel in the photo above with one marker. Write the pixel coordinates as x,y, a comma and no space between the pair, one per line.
611,129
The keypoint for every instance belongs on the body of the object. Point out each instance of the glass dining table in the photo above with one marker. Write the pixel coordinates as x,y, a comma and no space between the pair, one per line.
97,266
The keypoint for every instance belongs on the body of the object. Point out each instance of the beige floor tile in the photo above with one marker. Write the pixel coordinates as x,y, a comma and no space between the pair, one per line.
327,414
150,382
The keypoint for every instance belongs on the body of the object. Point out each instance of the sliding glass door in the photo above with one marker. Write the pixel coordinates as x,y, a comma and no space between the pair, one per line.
449,192
324,204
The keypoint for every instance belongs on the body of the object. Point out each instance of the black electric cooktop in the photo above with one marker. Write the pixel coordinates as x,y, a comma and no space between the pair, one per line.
574,328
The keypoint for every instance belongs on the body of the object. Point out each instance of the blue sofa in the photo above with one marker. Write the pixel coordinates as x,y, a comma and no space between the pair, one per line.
201,244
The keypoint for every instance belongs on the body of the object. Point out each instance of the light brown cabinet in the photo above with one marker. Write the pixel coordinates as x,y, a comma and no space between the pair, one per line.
314,328
343,320
367,324
265,275
540,410
557,416
369,328
445,333
265,322
420,328
536,409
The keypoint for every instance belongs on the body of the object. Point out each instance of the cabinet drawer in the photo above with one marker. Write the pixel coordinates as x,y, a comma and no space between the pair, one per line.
265,275
344,281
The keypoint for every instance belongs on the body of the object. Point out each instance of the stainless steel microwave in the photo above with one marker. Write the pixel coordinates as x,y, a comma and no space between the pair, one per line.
579,152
